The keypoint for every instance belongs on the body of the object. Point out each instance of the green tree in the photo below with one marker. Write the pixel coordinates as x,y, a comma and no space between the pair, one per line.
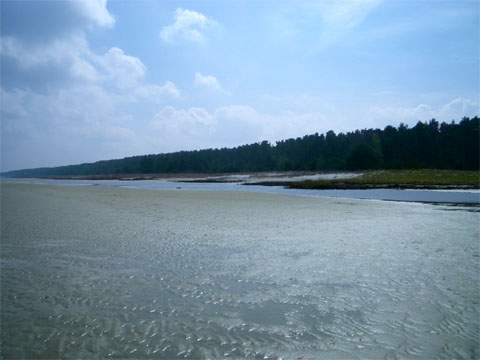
363,157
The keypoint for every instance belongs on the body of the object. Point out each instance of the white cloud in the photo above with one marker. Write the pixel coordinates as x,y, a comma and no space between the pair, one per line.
96,11
60,52
124,71
82,69
69,125
158,92
455,109
88,121
67,55
175,129
188,25
86,103
209,82
458,108
41,21
125,74
73,57
182,121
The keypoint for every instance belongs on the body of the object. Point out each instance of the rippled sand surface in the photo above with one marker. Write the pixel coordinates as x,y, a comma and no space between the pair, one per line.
123,273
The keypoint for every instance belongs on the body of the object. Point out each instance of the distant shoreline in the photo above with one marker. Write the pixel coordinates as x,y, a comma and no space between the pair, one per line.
346,186
201,177
424,179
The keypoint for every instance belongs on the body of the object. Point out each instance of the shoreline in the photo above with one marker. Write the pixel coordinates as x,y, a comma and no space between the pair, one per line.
452,195
422,179
346,186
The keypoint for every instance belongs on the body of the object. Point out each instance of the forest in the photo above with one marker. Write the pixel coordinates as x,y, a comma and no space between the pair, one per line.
427,145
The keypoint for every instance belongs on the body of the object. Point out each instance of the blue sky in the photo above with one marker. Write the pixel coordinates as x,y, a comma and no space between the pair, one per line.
90,80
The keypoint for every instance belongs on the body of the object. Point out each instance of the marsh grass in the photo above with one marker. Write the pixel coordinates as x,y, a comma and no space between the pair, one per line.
422,178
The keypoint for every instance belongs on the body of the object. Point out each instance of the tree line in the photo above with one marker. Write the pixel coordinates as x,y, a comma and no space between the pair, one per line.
425,145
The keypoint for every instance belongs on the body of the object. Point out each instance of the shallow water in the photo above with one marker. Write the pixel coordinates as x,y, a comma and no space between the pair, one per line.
95,272
459,196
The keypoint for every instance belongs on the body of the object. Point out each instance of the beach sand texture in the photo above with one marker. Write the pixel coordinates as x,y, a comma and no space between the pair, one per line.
95,272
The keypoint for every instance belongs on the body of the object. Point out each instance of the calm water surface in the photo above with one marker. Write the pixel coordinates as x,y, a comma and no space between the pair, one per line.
108,272
429,196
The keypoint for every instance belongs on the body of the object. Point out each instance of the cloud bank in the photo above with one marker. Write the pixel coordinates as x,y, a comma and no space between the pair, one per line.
66,101
61,100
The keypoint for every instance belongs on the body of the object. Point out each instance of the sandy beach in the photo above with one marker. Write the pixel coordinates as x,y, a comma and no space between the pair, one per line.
97,272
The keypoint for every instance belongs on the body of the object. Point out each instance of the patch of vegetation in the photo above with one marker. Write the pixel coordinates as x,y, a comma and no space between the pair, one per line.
401,179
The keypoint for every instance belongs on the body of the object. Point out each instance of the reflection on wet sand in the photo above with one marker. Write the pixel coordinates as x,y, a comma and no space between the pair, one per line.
96,272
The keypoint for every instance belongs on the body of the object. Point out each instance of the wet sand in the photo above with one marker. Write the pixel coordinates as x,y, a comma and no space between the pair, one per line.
243,177
95,272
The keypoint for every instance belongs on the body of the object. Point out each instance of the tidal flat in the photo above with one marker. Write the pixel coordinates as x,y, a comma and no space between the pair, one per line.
103,272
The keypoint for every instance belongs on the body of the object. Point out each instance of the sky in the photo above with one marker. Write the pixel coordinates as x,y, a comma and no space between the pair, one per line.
83,81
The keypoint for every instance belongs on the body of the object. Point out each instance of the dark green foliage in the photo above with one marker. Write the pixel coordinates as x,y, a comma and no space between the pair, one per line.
362,157
426,145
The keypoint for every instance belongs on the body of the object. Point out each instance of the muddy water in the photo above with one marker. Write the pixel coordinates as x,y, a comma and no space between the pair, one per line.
95,272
